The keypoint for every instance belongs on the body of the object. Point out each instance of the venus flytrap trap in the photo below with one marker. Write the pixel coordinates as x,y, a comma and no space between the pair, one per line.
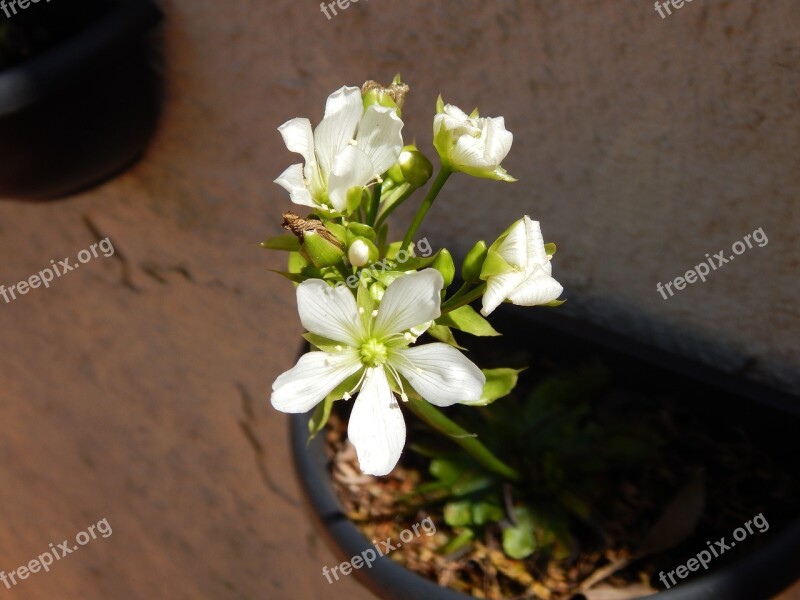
364,323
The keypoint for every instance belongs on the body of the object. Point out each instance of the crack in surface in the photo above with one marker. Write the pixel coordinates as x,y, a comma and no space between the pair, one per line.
125,274
258,448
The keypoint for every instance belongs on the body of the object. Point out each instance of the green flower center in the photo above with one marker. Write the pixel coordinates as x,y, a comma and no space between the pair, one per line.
373,353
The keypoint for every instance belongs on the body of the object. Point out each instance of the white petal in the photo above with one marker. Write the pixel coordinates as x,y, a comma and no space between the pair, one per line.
376,428
298,138
537,255
352,168
470,152
409,301
343,111
379,137
440,374
329,311
498,287
314,376
538,289
498,140
514,248
292,181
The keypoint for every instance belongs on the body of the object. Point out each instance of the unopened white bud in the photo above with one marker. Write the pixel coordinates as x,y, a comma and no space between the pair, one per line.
358,254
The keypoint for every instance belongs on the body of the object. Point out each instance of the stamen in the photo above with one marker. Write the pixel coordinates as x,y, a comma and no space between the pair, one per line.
375,313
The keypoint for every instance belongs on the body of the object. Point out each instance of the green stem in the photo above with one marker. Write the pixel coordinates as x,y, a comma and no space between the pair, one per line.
392,203
372,208
434,417
459,301
437,186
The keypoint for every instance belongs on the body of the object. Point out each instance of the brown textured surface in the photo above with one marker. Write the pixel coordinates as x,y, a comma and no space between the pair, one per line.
135,389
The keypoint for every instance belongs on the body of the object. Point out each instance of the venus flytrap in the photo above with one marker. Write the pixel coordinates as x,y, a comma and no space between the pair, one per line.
365,323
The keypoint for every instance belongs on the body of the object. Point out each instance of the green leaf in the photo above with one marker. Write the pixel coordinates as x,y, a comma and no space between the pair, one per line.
444,334
519,541
487,512
468,320
499,383
464,537
458,514
289,243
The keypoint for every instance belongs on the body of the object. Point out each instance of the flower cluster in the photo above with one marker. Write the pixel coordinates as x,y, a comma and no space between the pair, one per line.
355,172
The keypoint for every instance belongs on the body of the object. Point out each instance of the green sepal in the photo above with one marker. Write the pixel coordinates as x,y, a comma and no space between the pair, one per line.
494,265
319,418
444,334
288,243
439,105
323,343
366,304
355,230
467,319
499,383
473,262
550,249
294,277
355,195
297,262
555,303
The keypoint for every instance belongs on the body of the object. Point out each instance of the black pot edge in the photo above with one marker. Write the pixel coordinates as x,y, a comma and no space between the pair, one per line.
34,80
758,576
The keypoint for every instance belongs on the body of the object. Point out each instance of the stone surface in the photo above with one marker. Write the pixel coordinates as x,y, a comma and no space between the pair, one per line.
136,388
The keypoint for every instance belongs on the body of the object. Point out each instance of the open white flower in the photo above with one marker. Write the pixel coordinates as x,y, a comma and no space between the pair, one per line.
348,149
471,144
518,269
370,348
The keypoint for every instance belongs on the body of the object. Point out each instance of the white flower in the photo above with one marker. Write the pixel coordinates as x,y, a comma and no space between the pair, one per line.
517,268
471,144
348,149
371,347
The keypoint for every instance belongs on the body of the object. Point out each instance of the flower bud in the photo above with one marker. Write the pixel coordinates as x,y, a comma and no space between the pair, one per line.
473,262
362,252
317,244
444,264
470,143
391,96
414,166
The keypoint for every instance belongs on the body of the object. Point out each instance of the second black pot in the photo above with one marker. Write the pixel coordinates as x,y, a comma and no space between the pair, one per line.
82,111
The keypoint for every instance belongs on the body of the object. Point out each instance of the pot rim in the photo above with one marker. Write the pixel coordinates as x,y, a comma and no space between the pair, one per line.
52,71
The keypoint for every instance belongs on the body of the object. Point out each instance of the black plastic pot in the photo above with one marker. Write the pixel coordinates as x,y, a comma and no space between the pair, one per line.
758,576
82,111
